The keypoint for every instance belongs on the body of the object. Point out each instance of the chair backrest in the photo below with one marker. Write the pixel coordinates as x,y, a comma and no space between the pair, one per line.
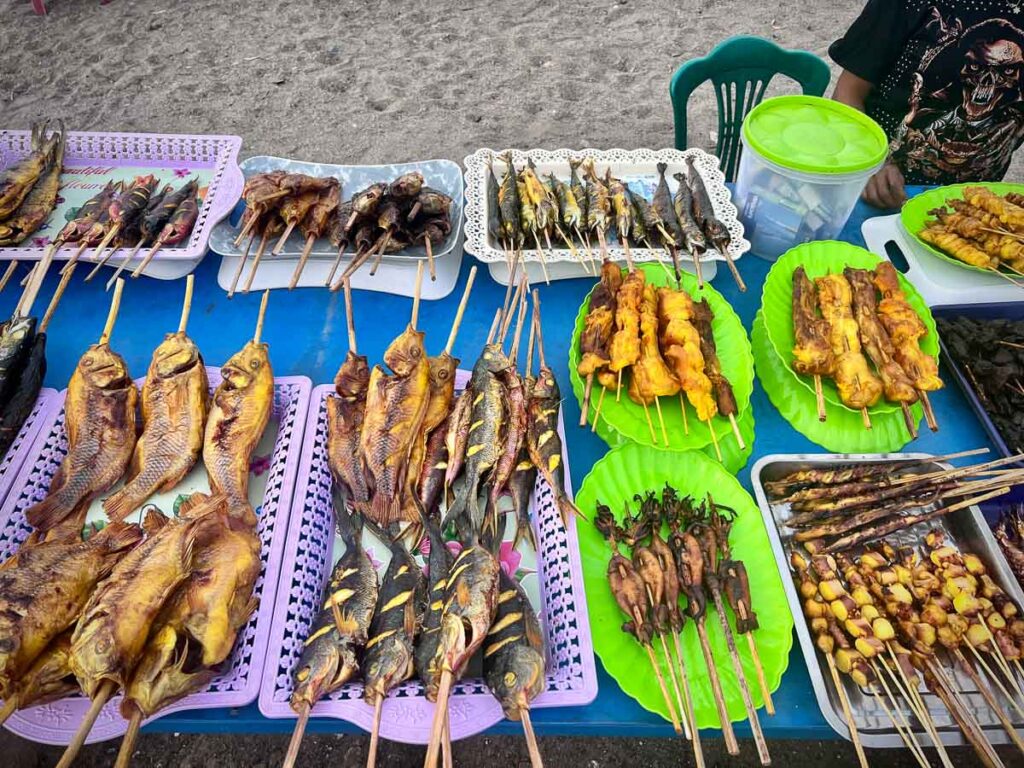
740,69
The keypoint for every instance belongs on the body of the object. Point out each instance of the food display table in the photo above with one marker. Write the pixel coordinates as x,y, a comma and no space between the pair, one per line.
307,336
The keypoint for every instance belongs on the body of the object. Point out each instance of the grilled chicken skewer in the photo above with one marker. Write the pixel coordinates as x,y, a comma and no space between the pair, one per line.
597,331
812,352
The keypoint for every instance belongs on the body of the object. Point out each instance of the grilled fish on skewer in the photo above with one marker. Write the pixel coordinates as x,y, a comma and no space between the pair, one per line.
17,180
76,229
495,227
100,424
682,203
703,211
16,338
442,391
406,186
48,679
458,436
174,400
345,411
514,437
510,204
364,203
521,486
663,205
543,442
25,392
430,482
39,202
439,565
239,411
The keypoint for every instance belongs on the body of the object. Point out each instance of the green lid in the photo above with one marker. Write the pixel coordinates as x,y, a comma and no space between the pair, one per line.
809,133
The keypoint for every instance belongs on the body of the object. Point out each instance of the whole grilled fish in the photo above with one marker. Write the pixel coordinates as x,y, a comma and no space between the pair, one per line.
568,206
483,449
24,394
39,202
100,424
407,185
17,180
514,434
15,341
599,206
704,211
342,626
430,482
239,412
683,205
181,222
395,407
622,206
578,190
543,442
44,592
663,205
173,416
514,651
439,403
439,564
111,632
344,424
87,213
388,659
521,486
458,435
510,205
494,224
48,679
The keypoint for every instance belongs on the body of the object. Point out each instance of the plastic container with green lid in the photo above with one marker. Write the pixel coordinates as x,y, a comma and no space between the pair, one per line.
805,162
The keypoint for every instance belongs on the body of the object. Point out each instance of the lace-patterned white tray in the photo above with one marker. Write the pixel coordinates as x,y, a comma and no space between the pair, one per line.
636,167
271,492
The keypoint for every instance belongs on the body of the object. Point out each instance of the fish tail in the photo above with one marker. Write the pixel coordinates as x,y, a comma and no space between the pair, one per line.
458,506
567,509
129,498
58,504
524,532
117,536
383,510
662,167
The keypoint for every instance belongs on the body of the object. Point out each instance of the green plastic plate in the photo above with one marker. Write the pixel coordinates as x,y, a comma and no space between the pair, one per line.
844,431
626,419
915,213
634,469
820,258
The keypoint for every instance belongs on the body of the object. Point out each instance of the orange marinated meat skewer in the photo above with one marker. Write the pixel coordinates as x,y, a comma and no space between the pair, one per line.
812,352
598,329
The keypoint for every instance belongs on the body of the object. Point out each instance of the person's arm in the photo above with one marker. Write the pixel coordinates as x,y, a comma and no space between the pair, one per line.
852,90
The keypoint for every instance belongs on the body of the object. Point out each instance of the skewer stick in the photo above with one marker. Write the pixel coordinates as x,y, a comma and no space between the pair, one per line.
694,731
675,682
51,308
296,741
463,302
913,697
686,702
21,299
336,264
650,424
186,308
696,267
586,399
301,266
430,257
714,438
109,235
844,701
682,410
514,347
115,306
416,296
661,420
543,259
358,260
117,272
258,333
531,739
149,257
736,432
990,699
1001,659
124,754
109,255
865,418
440,715
506,318
1003,232
728,735
279,245
540,332
908,419
604,244
241,266
897,711
820,397
618,385
597,411
995,679
762,683
494,326
75,256
676,726
446,746
105,691
907,739
255,263
248,225
371,756
929,414
379,258
11,266
965,719
349,320
35,282
732,268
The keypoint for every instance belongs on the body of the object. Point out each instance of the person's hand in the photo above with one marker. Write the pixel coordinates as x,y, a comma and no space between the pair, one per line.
885,188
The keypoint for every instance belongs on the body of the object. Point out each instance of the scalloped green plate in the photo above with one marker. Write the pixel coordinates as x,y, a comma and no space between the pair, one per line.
844,431
915,213
634,469
821,258
626,419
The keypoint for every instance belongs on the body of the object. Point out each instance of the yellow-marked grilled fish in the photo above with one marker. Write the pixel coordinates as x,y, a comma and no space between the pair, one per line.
514,651
510,205
395,407
18,179
435,463
344,423
342,626
521,486
543,441
111,632
439,563
100,424
239,412
173,416
43,593
513,436
458,435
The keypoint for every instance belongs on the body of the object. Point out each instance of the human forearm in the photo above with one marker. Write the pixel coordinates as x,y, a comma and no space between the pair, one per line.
852,90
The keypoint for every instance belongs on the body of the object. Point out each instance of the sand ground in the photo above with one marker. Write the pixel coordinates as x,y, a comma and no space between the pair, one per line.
355,82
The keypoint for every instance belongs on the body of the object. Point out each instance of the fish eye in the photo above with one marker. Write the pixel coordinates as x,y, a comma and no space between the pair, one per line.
254,364
443,374
415,352
87,362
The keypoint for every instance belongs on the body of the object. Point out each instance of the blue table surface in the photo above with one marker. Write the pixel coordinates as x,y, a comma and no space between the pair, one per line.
307,336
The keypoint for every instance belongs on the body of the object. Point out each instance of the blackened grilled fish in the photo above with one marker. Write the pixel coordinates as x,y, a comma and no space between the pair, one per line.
87,214
341,628
521,487
510,205
15,341
344,423
578,190
543,441
25,393
174,400
514,651
704,211
663,205
100,425
439,564
682,203
494,223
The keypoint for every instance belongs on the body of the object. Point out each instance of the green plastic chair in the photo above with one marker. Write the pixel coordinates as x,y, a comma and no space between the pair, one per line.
740,69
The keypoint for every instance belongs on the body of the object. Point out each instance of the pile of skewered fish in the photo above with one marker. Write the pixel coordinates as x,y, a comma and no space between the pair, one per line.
404,448
680,548
892,616
28,187
524,207
855,321
152,610
383,218
982,229
661,341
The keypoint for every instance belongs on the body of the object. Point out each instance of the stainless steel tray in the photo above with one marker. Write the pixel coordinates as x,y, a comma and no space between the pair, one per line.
967,528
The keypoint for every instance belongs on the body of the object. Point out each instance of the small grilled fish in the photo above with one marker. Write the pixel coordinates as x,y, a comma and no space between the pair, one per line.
514,434
15,341
395,407
407,185
439,403
239,412
494,224
649,217
316,221
510,205
342,626
364,203
458,435
439,562
521,485
181,222
527,213
683,205
45,590
100,424
39,202
599,206
24,394
87,213
48,679
111,632
344,423
666,212
155,217
430,482
578,190
129,205
704,211
173,416
17,180
568,207
514,651
543,442
622,207
388,658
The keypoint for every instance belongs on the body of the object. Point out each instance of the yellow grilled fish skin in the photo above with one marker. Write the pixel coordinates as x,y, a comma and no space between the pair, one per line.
174,401
100,425
49,678
239,412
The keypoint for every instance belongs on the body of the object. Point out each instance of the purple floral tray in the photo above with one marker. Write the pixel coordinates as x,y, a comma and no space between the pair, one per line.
41,418
239,683
91,159
407,715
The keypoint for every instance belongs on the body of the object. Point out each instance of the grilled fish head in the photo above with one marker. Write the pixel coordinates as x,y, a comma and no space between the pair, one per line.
245,365
176,354
493,359
546,386
103,368
325,665
405,352
353,376
170,669
518,679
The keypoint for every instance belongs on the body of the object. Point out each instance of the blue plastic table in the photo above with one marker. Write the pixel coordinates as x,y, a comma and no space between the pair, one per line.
306,332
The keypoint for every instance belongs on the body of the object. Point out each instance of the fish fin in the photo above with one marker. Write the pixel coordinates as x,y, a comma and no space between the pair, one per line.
121,504
154,521
567,509
116,536
524,532
458,506
52,510
662,167
382,511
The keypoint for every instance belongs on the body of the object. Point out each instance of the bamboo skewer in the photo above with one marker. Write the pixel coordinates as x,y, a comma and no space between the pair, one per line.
105,691
336,264
296,740
186,307
728,735
147,259
990,699
865,418
906,738
691,715
11,267
371,756
898,718
255,263
844,702
762,682
440,716
676,725
124,754
820,397
650,424
732,268
115,306
458,313
543,259
586,399
279,245
661,420
75,256
446,746
908,419
913,697
995,679
57,294
258,333
416,296
714,439
241,265
736,432
430,257
531,739
967,722
682,410
597,411
301,266
929,414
